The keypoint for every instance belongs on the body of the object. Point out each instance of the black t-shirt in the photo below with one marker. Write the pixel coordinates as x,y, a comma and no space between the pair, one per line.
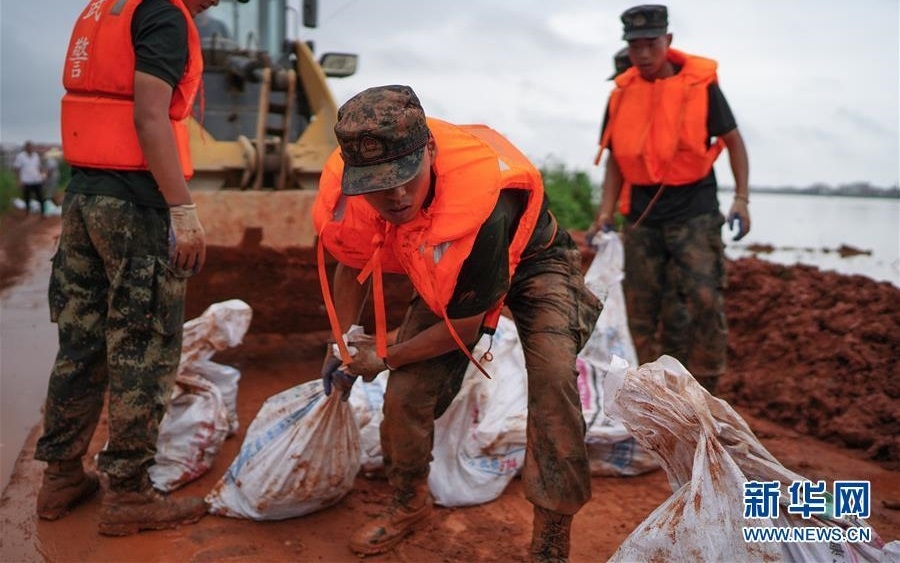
690,200
484,276
159,36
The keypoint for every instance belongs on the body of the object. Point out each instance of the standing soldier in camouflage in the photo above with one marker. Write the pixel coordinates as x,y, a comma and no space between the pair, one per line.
130,238
666,123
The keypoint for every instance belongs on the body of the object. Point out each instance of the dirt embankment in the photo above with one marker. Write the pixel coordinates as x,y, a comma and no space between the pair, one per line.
818,352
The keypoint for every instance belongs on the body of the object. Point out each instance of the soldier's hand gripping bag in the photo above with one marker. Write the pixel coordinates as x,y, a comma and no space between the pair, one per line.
301,454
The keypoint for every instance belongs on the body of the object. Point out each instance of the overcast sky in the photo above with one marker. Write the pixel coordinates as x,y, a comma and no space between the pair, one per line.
813,83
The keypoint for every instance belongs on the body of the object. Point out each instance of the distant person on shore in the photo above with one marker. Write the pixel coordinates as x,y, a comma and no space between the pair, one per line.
666,188
130,238
462,213
30,176
51,169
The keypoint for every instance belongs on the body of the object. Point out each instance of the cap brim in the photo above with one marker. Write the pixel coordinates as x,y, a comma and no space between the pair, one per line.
644,34
358,180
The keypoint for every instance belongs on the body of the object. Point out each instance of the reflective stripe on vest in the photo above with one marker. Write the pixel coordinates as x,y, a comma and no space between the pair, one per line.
98,107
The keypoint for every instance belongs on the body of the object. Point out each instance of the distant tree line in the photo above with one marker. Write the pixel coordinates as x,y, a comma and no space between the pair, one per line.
855,189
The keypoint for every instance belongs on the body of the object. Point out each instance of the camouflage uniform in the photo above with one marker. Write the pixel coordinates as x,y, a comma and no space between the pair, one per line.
554,314
675,274
119,310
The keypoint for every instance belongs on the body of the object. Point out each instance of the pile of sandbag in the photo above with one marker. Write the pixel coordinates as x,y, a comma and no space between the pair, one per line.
479,442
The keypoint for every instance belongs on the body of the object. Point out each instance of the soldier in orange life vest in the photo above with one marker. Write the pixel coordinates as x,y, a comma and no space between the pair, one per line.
130,238
666,123
462,213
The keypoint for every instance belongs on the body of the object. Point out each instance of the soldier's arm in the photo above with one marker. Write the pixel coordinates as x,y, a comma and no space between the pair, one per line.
152,96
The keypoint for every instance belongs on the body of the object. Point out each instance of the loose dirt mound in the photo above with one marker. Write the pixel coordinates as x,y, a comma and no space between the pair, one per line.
818,352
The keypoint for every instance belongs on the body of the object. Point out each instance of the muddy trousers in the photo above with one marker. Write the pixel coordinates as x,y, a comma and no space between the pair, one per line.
555,315
674,291
119,311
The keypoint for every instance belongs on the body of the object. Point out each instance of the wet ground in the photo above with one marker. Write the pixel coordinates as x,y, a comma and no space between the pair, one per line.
27,338
790,351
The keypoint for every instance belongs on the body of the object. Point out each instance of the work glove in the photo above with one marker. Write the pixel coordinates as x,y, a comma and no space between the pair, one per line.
333,377
739,215
603,224
366,363
187,240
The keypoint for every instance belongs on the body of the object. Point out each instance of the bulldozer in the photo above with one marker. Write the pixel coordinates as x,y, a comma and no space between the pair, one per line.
261,131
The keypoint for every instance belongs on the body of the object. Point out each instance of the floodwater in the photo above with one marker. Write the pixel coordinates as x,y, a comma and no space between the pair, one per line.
27,348
811,229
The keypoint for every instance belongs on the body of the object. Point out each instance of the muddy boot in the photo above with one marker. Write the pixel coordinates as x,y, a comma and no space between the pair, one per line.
407,511
550,536
65,486
128,512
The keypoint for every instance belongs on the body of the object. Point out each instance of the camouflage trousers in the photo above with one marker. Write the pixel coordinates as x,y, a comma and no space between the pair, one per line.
555,314
119,311
674,284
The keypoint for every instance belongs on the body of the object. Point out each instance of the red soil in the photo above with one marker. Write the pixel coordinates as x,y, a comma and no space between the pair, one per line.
812,367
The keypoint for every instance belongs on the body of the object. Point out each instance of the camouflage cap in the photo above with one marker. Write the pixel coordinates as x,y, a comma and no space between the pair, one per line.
647,21
382,133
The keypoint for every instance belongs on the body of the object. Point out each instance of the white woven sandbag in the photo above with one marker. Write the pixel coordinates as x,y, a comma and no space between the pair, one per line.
190,434
301,454
709,452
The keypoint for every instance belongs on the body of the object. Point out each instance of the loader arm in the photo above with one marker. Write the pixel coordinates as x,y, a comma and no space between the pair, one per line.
309,153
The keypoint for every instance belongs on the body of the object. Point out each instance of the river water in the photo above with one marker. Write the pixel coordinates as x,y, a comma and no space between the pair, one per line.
809,229
802,229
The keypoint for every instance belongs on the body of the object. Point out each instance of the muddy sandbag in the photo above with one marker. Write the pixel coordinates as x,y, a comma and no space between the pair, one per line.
479,442
612,452
301,454
367,403
223,325
709,454
202,411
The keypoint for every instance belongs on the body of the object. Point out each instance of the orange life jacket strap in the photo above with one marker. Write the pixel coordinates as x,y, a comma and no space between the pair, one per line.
492,318
429,259
373,268
329,304
461,345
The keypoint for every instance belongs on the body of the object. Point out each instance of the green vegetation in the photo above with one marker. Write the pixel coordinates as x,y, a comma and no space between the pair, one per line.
571,195
9,189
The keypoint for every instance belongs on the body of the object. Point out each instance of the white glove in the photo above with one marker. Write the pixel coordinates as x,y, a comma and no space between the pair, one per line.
188,252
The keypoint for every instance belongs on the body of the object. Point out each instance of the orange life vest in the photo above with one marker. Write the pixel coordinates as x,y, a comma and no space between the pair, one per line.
98,107
659,127
472,164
